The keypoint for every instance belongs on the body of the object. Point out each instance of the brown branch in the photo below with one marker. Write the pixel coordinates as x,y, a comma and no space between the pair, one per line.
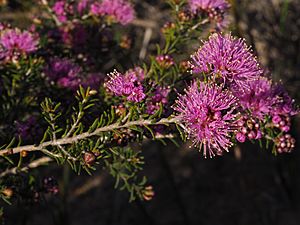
34,164
147,38
74,139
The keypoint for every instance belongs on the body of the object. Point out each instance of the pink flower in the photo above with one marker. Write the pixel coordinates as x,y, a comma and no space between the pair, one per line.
137,94
160,95
128,84
120,10
14,43
59,9
240,137
215,9
209,5
95,8
227,59
207,114
266,99
258,99
283,104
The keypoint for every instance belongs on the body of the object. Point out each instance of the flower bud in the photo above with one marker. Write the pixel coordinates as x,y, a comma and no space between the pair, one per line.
285,129
244,130
251,135
8,192
23,153
89,158
148,193
276,119
240,137
92,92
258,135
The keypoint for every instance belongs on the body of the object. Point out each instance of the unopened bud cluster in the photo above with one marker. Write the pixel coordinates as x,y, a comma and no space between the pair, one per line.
248,129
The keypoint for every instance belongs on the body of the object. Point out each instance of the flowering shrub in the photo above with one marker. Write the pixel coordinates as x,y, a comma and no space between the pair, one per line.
57,104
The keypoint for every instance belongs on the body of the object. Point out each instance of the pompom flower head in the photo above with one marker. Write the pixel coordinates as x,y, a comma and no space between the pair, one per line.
207,115
128,84
119,10
283,104
257,99
14,43
283,108
227,58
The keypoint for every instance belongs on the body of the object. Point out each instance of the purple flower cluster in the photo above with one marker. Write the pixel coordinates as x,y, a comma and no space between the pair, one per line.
228,62
117,10
160,96
128,84
64,73
283,108
285,143
14,43
28,129
283,104
263,98
61,10
248,128
207,113
120,11
257,98
283,122
67,74
65,10
262,101
215,9
227,58
217,5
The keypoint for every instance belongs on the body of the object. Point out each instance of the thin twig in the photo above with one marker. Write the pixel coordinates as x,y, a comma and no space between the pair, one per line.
46,159
125,118
67,154
75,124
147,38
199,24
70,140
53,127
90,184
34,164
50,11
